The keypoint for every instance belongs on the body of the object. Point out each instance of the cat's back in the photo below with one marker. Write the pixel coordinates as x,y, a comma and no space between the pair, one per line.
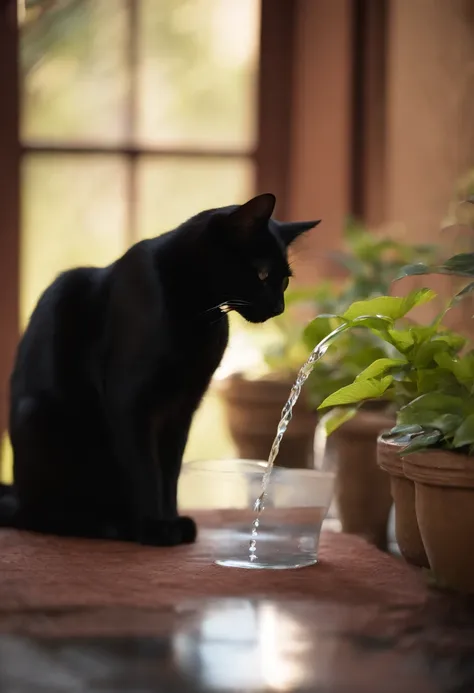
61,330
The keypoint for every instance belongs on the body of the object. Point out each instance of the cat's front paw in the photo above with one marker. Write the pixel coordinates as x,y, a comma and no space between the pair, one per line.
188,529
180,530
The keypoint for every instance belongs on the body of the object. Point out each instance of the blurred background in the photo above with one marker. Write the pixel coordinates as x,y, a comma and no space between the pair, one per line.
121,118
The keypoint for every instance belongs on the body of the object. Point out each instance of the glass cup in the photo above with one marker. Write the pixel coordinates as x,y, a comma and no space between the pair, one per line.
220,495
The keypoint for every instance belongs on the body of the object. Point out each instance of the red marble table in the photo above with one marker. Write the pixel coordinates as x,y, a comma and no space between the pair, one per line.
93,616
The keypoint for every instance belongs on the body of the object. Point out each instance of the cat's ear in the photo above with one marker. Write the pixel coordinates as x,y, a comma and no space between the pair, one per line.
252,214
289,231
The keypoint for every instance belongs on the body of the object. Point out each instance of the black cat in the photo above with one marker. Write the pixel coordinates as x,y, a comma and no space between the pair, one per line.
114,363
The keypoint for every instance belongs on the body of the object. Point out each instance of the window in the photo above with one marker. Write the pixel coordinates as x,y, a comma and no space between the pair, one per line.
135,115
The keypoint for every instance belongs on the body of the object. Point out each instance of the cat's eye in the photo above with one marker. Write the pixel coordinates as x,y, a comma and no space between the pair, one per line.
284,284
263,274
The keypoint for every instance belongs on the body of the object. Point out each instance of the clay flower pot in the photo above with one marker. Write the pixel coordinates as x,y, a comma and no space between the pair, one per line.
403,494
444,484
253,409
362,490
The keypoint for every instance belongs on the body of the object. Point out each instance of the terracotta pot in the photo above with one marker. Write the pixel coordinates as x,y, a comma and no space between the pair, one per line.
444,488
362,491
253,409
403,494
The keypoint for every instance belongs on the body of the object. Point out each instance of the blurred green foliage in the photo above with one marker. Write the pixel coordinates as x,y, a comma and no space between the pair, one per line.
371,263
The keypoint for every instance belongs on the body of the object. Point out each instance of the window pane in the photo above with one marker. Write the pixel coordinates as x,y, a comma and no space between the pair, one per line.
73,57
172,190
197,72
73,214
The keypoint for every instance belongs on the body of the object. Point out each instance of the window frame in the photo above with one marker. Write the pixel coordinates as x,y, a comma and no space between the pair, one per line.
9,199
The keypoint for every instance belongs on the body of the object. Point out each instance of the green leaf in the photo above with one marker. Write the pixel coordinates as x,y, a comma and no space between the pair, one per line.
374,323
460,264
422,333
462,368
388,306
406,429
446,361
432,379
465,433
431,420
426,353
402,340
414,270
446,423
380,367
421,442
462,294
415,342
455,341
358,392
336,417
433,402
434,410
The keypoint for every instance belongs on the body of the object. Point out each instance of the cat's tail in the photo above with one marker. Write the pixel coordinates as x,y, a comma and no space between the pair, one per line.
8,506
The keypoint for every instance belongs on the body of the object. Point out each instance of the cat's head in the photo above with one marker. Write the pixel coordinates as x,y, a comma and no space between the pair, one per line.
250,257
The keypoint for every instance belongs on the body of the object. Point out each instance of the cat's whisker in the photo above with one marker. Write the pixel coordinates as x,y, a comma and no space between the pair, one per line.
233,305
227,306
217,307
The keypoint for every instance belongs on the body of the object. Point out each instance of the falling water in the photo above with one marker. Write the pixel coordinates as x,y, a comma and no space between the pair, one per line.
286,415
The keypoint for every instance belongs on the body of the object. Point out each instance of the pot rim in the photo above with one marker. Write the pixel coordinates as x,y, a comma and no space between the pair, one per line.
388,458
238,390
440,468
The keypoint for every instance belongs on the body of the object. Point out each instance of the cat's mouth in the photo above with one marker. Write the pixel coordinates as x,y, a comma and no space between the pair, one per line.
256,314
234,304
253,313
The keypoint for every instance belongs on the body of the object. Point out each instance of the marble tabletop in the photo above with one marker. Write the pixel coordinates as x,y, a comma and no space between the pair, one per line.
79,616
242,645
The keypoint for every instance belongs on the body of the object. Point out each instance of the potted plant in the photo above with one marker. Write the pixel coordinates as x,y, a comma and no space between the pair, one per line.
390,378
430,380
442,461
362,490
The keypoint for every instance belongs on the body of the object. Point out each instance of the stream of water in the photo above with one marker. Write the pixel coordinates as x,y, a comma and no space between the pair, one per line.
287,412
